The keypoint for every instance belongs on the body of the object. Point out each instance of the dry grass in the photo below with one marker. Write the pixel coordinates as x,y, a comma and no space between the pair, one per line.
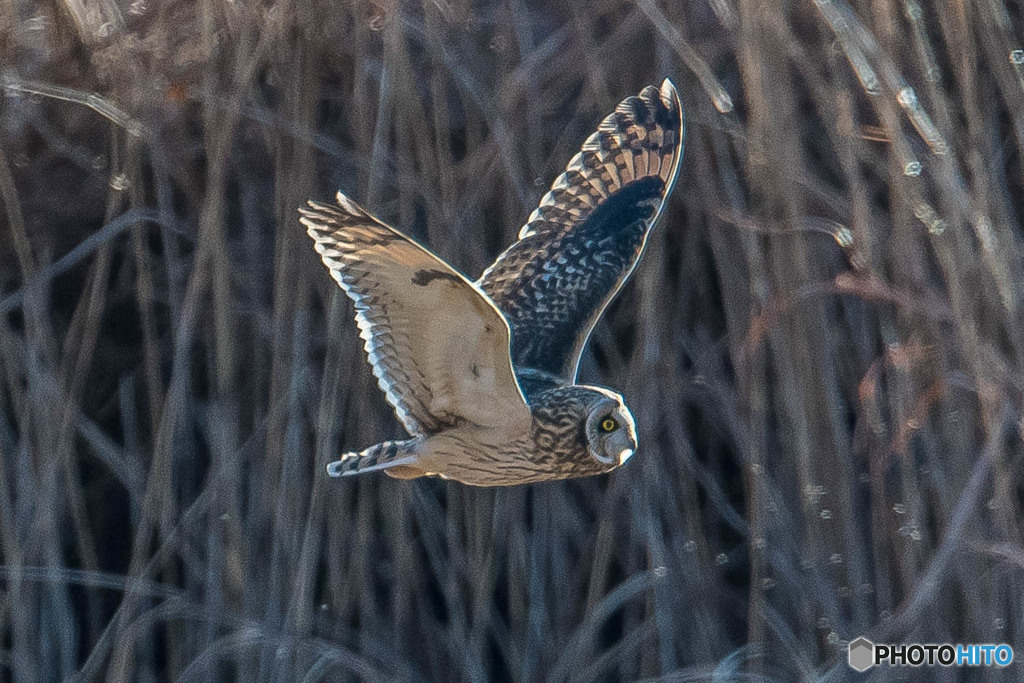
823,346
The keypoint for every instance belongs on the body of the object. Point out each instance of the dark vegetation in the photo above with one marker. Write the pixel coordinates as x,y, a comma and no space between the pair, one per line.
823,346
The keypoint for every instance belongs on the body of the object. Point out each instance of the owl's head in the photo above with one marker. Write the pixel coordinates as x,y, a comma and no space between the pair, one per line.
581,430
609,430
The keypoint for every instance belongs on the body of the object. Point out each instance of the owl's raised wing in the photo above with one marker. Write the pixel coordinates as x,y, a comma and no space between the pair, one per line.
438,346
583,241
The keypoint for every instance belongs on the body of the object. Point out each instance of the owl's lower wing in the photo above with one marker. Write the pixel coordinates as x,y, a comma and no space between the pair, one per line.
438,346
583,241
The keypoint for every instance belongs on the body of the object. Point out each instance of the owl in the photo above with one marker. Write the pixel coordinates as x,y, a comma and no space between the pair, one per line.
483,374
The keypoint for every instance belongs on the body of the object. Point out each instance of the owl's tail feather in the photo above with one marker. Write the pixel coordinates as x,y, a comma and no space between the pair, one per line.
398,457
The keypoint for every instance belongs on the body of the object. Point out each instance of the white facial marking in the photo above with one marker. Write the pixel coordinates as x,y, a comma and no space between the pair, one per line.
624,455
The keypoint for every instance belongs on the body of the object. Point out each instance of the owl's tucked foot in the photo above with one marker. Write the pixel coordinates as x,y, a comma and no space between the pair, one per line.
397,457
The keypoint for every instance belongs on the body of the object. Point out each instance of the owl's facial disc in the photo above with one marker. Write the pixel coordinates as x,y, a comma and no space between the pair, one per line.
611,432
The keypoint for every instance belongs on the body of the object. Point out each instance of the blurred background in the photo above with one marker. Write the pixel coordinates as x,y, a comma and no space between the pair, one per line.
823,345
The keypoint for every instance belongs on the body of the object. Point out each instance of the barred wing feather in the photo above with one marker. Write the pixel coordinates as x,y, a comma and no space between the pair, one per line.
437,344
581,244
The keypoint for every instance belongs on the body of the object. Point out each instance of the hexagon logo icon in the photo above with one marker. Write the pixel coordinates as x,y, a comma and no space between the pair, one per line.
862,654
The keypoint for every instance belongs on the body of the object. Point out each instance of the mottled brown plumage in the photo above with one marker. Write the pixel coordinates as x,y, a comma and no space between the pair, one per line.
580,245
483,374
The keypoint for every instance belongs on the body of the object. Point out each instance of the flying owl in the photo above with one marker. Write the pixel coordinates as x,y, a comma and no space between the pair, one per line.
483,374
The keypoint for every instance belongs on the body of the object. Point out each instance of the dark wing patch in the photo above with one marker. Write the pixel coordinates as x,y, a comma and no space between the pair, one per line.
424,277
583,241
553,290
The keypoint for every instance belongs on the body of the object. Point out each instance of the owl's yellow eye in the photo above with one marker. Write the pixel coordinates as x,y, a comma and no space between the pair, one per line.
609,425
